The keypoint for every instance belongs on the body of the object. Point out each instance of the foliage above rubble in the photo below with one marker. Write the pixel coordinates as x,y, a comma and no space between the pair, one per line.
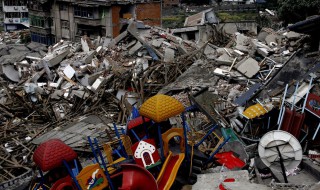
295,10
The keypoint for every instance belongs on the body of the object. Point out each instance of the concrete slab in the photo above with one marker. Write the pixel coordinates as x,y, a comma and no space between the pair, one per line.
157,42
271,38
85,46
243,40
88,58
211,181
69,71
263,51
244,186
315,187
135,48
11,73
208,51
292,35
242,48
262,36
224,59
168,55
249,67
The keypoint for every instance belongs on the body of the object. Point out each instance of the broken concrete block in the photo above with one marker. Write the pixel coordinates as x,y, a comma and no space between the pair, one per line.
221,72
85,46
230,28
88,80
244,186
55,58
242,48
213,180
10,72
79,94
69,71
97,84
292,35
270,39
224,59
262,36
168,55
3,52
256,44
99,49
157,42
131,43
209,52
88,58
242,40
135,48
238,52
263,51
249,67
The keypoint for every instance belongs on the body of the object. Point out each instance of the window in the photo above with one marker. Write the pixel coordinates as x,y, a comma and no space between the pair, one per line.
15,2
24,15
40,21
63,7
65,24
83,11
41,38
12,15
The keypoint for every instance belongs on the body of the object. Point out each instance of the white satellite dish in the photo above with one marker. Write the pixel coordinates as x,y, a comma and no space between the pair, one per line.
289,147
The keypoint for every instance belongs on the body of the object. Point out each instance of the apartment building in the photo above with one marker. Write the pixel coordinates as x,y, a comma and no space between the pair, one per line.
70,19
15,14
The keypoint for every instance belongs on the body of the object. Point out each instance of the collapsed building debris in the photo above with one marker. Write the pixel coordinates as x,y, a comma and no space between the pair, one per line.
234,93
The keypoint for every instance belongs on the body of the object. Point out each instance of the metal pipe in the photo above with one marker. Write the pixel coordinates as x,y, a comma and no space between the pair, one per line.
282,116
104,164
315,134
294,95
284,97
305,100
204,138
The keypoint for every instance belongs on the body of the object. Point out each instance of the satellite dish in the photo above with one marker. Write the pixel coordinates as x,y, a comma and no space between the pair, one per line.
289,148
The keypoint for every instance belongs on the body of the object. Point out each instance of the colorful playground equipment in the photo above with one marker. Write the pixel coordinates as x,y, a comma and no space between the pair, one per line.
127,166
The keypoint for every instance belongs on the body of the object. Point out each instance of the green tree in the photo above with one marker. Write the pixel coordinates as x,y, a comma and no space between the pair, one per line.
296,10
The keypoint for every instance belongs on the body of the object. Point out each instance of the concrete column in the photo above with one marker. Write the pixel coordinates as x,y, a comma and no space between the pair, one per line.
71,23
109,27
57,21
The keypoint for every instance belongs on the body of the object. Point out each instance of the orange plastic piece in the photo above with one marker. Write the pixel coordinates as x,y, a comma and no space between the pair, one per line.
161,107
92,177
173,132
108,150
126,142
169,171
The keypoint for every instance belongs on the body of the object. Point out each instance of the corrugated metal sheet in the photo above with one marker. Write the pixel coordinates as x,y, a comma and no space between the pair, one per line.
75,134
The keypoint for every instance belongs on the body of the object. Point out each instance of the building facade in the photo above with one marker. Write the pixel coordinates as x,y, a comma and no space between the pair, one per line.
15,14
51,21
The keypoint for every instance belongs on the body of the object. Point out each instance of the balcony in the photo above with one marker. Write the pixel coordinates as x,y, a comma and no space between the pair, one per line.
16,21
45,31
15,9
89,21
39,13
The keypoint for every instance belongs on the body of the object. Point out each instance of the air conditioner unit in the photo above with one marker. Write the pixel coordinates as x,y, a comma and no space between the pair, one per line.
10,20
15,8
23,8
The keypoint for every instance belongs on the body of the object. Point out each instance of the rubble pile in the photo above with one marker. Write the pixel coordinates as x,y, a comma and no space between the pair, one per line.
241,88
